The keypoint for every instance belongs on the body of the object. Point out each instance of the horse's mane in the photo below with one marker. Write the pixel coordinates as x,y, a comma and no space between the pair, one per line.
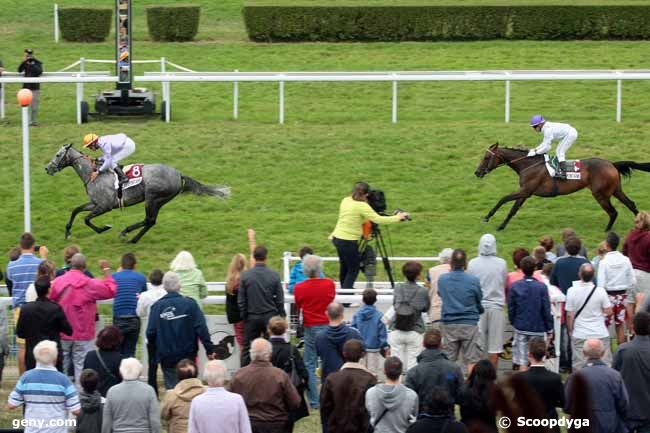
516,149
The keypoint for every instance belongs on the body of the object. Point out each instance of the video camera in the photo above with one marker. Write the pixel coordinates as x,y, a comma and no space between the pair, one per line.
377,201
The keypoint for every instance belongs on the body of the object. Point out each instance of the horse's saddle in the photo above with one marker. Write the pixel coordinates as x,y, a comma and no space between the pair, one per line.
572,168
133,172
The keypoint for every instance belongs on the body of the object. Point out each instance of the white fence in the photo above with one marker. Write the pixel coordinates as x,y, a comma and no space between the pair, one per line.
343,295
188,76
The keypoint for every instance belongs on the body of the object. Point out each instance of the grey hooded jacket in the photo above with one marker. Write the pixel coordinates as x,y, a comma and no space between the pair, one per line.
492,271
400,404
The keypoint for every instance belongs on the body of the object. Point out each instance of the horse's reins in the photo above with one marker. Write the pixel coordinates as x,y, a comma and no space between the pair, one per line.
505,161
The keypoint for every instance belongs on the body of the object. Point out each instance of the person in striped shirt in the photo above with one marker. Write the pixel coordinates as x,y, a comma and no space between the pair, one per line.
48,396
22,273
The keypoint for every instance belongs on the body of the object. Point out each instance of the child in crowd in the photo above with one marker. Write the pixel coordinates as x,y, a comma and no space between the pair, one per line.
368,321
296,276
92,406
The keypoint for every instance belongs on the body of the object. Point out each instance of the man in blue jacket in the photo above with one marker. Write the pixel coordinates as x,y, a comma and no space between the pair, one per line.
529,311
175,324
461,309
329,343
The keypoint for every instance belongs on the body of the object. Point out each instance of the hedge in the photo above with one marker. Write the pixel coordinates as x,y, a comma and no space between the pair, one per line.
173,23
435,23
85,24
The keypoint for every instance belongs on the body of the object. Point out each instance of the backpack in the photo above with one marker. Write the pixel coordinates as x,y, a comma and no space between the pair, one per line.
406,315
291,369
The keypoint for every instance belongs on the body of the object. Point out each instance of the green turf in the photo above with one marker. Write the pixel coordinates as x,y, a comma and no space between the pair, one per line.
287,180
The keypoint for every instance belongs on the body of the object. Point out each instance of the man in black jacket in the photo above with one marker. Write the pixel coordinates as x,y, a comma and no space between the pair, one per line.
32,67
42,320
260,297
632,360
433,370
547,385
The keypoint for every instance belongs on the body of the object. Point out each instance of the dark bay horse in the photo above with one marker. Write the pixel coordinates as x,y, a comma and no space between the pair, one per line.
602,177
160,184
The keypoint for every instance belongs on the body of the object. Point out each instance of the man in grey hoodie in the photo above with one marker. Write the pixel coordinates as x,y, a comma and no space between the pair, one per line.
392,406
492,271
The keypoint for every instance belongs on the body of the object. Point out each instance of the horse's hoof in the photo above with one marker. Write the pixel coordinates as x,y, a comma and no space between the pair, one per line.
501,228
485,219
67,235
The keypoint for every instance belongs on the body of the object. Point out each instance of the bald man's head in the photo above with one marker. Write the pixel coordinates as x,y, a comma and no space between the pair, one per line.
261,350
593,349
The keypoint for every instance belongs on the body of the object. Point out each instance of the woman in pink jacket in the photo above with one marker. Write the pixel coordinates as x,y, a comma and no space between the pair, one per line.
77,294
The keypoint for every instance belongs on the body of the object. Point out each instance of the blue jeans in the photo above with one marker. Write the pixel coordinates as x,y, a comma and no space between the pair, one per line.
311,363
169,377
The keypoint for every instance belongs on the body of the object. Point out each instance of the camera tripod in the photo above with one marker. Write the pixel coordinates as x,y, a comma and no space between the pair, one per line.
380,248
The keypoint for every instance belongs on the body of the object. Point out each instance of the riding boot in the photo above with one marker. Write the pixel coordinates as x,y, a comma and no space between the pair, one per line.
122,179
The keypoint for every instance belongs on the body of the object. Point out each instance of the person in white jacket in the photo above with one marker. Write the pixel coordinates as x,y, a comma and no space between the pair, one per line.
564,132
616,276
114,148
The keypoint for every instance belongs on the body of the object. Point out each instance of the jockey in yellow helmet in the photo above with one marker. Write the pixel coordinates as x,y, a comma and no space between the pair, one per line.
115,148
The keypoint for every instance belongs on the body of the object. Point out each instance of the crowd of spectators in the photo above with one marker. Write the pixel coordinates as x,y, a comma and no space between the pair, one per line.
403,370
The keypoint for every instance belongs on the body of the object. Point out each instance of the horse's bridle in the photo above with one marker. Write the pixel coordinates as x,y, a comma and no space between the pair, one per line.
58,166
502,158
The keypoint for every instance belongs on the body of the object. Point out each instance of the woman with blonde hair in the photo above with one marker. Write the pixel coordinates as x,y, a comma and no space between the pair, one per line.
192,282
637,248
238,264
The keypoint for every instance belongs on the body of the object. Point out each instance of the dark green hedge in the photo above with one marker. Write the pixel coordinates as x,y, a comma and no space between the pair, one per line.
173,23
85,24
432,23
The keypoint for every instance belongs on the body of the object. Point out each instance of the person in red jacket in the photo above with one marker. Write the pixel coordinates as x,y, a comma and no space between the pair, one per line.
77,294
637,248
312,296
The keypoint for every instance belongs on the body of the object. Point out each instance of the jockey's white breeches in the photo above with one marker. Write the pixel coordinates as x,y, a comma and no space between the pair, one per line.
564,145
128,149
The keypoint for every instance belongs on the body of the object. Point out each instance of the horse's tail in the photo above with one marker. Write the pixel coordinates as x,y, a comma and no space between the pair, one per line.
626,167
190,185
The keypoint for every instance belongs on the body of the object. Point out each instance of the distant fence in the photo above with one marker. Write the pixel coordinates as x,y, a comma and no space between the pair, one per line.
166,78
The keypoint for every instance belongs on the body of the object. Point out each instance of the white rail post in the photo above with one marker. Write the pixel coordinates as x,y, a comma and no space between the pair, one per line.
168,105
80,97
619,92
56,23
507,109
394,100
235,98
162,65
2,101
281,102
27,213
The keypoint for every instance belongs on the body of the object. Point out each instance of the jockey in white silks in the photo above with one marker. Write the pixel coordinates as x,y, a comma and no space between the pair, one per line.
115,148
564,132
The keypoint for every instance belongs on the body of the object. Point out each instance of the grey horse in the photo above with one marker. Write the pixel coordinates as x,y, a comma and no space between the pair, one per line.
160,184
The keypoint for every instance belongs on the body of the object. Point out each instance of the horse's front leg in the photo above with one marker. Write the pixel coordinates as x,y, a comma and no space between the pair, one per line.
513,211
95,213
84,207
514,196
